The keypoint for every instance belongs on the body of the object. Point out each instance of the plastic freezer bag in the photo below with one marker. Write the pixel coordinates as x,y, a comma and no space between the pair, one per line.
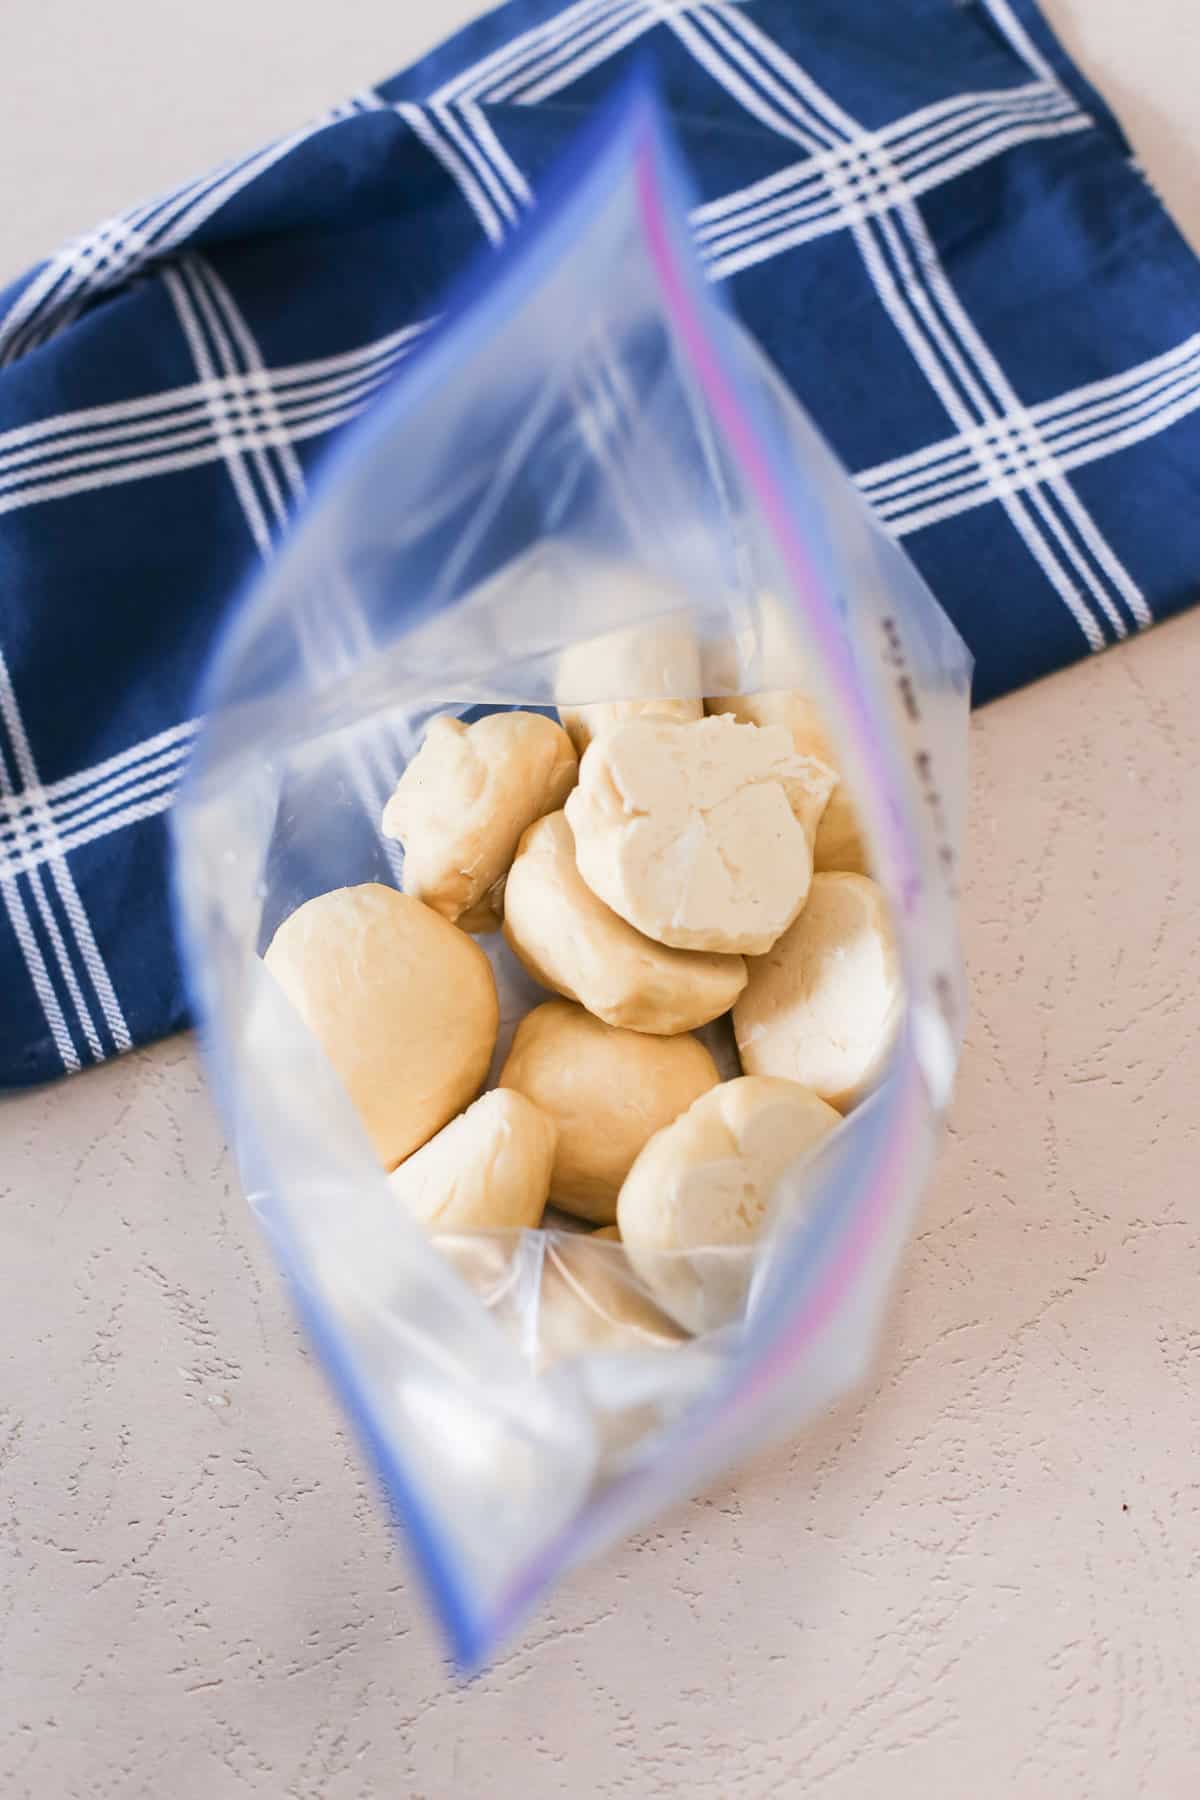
586,445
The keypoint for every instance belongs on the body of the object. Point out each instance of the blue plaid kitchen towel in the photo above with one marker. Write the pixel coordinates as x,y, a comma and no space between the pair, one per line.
927,216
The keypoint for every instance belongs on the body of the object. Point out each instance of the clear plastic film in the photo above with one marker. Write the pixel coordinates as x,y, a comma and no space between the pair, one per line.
586,451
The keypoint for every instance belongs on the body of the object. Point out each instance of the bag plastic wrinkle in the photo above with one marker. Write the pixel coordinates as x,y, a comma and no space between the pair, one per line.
587,446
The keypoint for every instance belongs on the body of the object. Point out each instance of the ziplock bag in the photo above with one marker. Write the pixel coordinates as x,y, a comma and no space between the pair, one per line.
587,444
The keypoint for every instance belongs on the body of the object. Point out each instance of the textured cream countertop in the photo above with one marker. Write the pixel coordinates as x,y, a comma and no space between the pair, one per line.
979,1581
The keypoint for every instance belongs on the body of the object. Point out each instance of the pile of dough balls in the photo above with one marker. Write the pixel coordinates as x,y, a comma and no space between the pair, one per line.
655,865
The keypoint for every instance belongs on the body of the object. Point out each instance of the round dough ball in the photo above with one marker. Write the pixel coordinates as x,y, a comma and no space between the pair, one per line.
489,1169
608,1091
694,834
834,825
821,1007
653,662
706,1183
570,941
800,718
780,706
465,798
403,1004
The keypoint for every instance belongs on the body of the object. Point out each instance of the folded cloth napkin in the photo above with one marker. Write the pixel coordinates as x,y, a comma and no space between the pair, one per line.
927,216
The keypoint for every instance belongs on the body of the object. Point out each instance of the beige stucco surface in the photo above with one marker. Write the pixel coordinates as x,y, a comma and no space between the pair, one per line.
978,1579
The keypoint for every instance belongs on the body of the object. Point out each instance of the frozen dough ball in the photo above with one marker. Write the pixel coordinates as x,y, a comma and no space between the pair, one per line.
821,1007
607,1090
403,1004
833,821
796,712
838,839
694,834
705,1183
644,668
570,941
489,1169
465,798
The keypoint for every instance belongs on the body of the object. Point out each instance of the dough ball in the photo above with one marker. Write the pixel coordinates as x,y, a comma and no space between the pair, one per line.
800,718
570,941
821,1007
705,1183
489,1169
780,706
403,1004
465,798
833,824
642,666
693,833
608,1090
